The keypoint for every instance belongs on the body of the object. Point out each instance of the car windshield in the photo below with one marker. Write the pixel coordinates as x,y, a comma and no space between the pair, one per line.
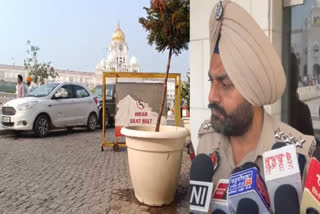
98,91
43,90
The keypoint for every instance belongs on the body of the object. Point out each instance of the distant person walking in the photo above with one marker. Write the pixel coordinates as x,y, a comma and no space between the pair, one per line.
30,85
20,90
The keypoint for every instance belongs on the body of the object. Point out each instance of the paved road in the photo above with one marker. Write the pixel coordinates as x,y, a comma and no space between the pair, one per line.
67,173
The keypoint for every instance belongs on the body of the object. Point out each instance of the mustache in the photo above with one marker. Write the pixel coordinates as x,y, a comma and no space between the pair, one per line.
218,108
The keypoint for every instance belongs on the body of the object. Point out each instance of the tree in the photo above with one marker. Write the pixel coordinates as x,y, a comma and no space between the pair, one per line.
38,71
167,23
185,92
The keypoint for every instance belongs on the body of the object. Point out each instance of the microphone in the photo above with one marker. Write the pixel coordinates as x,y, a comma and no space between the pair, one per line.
218,211
201,173
248,184
247,206
311,193
249,165
246,165
301,158
281,167
316,153
312,211
286,200
219,197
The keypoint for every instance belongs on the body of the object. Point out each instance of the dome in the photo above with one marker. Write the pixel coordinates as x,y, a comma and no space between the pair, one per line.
133,61
110,58
118,34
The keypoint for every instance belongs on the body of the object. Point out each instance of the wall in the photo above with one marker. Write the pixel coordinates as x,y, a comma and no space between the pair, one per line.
267,13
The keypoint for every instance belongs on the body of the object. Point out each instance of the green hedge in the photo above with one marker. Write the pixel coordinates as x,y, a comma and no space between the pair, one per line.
9,87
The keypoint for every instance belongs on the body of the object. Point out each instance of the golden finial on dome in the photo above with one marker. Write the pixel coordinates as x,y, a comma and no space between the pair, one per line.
118,34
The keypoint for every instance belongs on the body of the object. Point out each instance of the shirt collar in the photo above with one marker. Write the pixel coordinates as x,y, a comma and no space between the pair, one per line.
266,139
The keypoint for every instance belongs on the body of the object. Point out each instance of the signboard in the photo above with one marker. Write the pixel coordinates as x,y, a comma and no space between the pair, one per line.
289,3
138,104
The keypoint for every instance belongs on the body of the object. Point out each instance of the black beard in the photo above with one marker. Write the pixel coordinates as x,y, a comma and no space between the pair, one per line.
235,124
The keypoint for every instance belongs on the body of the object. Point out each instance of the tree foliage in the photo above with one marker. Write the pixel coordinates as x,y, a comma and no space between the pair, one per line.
38,71
167,24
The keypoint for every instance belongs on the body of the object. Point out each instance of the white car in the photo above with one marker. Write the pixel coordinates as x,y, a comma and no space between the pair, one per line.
54,105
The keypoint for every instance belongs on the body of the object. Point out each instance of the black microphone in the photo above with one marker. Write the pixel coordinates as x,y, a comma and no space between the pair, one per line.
249,165
312,211
237,169
278,145
218,211
201,168
245,166
247,206
316,153
286,200
201,186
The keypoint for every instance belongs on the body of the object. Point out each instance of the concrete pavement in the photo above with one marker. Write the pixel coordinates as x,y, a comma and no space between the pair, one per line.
67,173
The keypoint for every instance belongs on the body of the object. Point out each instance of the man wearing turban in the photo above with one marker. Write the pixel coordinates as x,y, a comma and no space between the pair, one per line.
30,85
245,74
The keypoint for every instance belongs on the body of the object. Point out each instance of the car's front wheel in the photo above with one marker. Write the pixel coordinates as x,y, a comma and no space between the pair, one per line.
92,122
41,126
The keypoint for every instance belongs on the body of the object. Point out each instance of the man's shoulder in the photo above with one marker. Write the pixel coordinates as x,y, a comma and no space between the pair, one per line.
206,128
208,138
305,144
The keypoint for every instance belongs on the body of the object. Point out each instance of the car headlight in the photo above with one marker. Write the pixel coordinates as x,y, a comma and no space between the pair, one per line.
26,106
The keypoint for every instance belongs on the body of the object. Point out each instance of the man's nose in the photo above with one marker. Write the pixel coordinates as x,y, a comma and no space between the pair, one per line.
214,95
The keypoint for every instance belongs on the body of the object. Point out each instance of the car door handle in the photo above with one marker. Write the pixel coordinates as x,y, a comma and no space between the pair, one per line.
49,105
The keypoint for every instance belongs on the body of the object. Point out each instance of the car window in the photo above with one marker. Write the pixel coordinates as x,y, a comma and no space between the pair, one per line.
64,92
98,90
109,90
80,92
44,90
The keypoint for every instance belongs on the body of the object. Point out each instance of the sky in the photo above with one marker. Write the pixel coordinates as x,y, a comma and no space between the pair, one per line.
75,34
300,13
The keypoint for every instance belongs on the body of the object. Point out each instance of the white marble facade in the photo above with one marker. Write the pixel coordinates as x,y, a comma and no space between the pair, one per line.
305,44
117,59
9,73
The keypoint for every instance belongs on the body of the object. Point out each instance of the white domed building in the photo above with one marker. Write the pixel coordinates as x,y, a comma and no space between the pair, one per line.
117,59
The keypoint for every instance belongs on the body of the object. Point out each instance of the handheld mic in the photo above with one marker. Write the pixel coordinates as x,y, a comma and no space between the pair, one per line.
301,158
312,211
248,184
316,153
247,206
219,197
249,165
286,200
281,167
246,165
218,211
201,173
311,193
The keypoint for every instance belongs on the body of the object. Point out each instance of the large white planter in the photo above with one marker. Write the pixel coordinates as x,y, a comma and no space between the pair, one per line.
155,161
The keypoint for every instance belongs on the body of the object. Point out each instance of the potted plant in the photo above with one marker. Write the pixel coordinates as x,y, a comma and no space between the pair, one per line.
155,153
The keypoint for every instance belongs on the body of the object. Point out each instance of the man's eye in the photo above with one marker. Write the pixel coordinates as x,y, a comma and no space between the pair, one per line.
226,85
210,80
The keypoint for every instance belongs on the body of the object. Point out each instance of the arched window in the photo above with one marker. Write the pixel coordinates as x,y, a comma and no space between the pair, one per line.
316,72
